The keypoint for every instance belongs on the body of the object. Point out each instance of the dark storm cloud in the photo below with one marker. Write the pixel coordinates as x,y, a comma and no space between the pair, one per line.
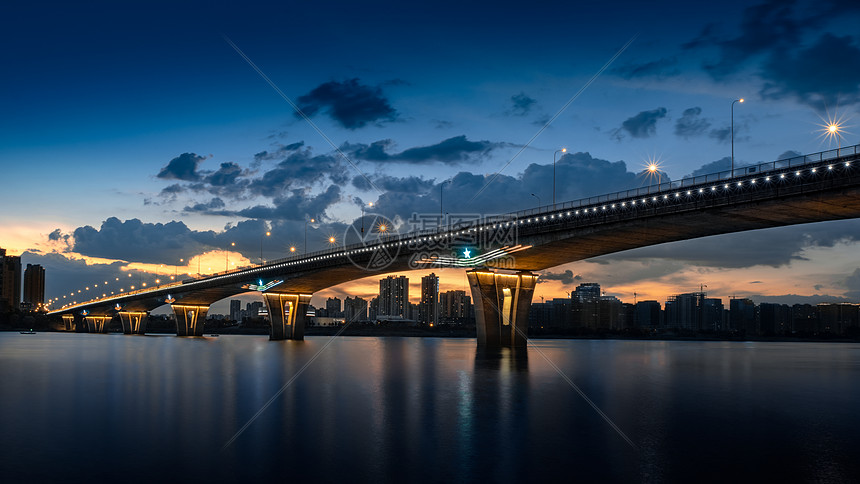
567,277
183,167
774,247
643,125
453,150
521,104
279,153
295,206
691,123
351,104
134,240
660,68
829,76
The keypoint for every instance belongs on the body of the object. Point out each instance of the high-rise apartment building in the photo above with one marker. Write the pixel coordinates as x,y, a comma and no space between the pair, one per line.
10,281
34,285
428,307
394,296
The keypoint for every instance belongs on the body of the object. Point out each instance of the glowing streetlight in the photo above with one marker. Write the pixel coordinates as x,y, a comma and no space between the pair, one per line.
563,150
261,246
227,257
292,248
741,100
306,233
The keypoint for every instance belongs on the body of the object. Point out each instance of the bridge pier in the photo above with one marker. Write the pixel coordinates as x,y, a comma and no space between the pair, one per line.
287,315
502,303
133,322
97,323
69,322
189,319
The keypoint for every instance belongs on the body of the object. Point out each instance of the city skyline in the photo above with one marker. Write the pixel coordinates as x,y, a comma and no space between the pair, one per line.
153,148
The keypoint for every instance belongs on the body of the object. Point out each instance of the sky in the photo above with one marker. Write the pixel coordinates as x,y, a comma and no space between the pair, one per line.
143,139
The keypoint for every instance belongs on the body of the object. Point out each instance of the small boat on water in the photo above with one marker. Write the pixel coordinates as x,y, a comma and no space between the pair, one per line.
28,332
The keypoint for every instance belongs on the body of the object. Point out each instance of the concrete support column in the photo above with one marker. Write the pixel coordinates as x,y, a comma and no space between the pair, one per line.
189,319
287,314
502,303
97,323
133,322
69,322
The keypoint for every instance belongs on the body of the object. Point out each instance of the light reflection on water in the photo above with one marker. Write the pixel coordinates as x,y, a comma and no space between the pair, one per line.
141,408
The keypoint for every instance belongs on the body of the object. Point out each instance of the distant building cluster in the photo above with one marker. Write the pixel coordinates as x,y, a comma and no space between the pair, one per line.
392,305
588,310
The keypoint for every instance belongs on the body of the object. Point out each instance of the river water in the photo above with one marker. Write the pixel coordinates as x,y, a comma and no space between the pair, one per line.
115,408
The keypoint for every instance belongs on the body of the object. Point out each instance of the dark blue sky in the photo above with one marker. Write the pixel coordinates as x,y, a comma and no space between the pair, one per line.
145,137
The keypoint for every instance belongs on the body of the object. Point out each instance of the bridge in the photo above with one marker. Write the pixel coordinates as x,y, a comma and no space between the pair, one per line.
502,253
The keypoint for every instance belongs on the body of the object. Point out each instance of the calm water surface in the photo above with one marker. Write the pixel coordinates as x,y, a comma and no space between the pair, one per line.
80,407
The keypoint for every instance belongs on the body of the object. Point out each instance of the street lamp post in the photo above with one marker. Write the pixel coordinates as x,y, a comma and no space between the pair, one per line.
306,233
563,150
261,246
369,204
538,199
441,214
227,257
733,133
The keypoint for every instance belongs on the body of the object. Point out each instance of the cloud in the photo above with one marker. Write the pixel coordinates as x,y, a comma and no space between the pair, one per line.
134,240
723,164
453,150
299,168
226,175
183,167
642,125
852,284
521,104
577,174
765,27
830,73
660,68
788,154
349,103
691,123
410,184
774,38
212,207
567,277
297,205
279,153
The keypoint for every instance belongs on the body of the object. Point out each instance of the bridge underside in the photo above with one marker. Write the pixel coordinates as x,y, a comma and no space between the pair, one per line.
741,206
